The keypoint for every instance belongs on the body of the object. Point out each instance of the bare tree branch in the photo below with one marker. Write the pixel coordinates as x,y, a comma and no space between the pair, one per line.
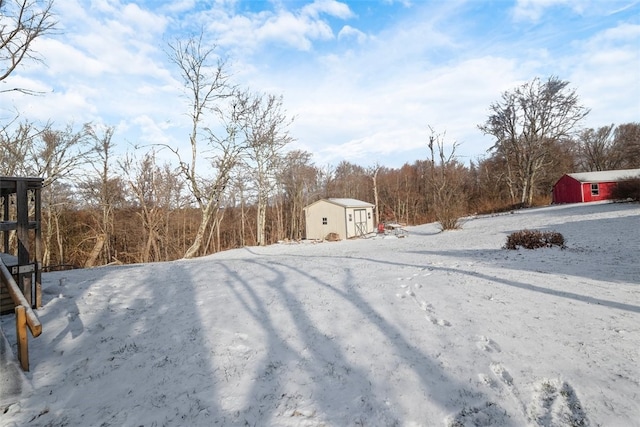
21,23
527,122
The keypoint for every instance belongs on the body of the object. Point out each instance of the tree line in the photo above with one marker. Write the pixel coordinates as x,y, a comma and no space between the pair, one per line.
239,184
135,210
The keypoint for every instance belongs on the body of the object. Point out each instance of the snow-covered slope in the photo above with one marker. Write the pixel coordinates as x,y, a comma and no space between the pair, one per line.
432,329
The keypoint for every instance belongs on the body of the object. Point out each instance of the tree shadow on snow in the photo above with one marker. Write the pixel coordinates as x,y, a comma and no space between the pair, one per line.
597,249
535,288
327,379
112,350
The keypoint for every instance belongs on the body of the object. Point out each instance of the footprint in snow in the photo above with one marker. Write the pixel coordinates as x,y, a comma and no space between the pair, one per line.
426,307
487,344
409,292
502,374
488,414
486,379
554,403
438,322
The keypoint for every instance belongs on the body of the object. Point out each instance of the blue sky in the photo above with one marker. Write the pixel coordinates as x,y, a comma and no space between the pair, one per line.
364,79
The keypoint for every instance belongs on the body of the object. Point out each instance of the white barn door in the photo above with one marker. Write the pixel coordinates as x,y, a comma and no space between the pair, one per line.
360,217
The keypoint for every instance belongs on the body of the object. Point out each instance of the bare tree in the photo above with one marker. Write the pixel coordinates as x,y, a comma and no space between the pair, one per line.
373,172
526,122
402,193
609,148
446,182
155,189
105,191
351,181
299,180
206,83
596,149
55,157
16,145
51,154
265,127
240,187
21,23
627,143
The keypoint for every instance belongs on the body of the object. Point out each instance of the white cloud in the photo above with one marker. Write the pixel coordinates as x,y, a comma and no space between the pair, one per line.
369,99
297,28
606,74
359,123
143,23
405,3
64,58
348,32
296,31
177,6
377,101
533,10
329,7
626,33
70,105
151,131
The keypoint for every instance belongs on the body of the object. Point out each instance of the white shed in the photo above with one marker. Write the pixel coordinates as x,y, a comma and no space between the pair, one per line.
345,217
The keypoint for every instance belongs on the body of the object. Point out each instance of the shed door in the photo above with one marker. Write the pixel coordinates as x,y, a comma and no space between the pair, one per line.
360,217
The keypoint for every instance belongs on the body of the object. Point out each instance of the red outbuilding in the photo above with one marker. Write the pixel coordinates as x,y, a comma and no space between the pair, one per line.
589,186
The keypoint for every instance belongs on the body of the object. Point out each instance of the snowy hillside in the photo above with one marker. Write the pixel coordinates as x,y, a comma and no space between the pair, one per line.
435,329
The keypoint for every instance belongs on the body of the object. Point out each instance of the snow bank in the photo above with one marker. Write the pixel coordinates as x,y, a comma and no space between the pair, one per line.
434,329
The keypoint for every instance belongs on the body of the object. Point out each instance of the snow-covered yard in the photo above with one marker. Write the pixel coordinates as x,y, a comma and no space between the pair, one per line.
436,329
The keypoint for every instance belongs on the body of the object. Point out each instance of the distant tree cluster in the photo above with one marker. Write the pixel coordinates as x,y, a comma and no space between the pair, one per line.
99,211
239,184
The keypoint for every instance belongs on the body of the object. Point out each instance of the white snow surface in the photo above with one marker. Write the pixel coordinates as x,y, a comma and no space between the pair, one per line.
435,329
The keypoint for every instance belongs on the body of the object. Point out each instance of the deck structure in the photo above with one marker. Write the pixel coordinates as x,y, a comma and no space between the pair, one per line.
21,238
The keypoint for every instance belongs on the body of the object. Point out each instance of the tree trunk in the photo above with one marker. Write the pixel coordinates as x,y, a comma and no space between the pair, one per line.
61,254
261,217
95,252
196,247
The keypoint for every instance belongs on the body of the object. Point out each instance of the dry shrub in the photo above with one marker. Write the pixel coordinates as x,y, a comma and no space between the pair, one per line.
627,189
450,222
533,239
332,237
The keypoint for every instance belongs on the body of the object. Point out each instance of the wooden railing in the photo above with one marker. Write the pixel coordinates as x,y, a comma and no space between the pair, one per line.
25,317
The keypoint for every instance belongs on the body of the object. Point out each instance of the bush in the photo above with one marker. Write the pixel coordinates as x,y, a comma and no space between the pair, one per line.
627,189
449,222
533,239
332,237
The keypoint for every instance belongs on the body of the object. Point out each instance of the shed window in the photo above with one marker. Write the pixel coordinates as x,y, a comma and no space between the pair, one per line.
324,221
595,190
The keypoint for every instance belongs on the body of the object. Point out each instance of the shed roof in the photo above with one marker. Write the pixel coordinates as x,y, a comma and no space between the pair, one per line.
605,176
350,203
345,203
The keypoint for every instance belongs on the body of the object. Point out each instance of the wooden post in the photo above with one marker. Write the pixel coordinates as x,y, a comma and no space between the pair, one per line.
5,217
22,232
18,299
37,196
21,333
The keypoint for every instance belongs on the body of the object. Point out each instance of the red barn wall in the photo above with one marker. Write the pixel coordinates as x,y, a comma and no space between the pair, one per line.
604,191
567,190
